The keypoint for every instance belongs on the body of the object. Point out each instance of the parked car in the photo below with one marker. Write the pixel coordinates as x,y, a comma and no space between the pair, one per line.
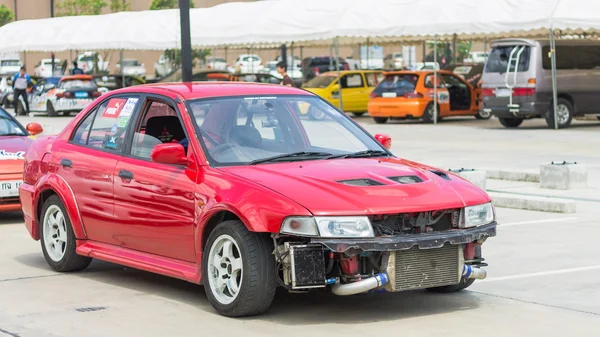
313,66
44,68
242,197
163,67
393,61
132,67
425,66
216,63
86,60
353,64
247,63
10,66
107,83
373,64
69,94
409,95
517,81
476,57
356,88
14,142
472,73
6,91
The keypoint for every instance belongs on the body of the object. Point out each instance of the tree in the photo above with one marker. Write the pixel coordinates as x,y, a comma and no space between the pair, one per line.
80,7
167,4
6,15
464,48
120,6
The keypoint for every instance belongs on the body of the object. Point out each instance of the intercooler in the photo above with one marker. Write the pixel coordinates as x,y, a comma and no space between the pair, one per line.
416,268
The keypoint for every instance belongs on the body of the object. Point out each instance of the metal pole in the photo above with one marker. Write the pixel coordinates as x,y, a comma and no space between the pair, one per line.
51,8
121,68
485,44
424,50
70,63
454,45
435,112
214,54
337,65
368,52
186,41
330,57
554,85
301,60
292,57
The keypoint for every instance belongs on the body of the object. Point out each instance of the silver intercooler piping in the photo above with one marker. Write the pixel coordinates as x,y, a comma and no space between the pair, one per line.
378,280
476,273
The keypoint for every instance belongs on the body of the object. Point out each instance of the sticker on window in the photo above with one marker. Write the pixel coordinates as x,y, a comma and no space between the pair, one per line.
129,106
123,121
462,70
115,105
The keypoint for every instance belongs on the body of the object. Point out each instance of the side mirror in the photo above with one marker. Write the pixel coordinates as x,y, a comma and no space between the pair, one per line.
169,153
335,87
34,129
385,140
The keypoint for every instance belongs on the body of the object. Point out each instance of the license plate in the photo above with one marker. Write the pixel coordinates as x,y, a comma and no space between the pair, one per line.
389,95
81,94
503,92
10,188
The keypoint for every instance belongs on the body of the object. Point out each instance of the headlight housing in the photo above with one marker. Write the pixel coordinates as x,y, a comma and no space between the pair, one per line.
329,227
477,215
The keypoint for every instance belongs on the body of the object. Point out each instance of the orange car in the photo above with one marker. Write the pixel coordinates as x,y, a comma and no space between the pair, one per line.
409,95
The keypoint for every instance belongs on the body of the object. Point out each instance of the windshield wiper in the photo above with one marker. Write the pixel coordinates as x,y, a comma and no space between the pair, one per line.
291,157
13,134
360,154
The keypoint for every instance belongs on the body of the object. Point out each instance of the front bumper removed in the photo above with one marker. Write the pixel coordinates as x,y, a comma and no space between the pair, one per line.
404,242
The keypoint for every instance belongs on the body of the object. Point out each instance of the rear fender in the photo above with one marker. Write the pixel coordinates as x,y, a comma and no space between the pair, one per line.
59,186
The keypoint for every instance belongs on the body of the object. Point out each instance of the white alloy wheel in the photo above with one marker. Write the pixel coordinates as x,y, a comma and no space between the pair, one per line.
225,266
562,112
55,233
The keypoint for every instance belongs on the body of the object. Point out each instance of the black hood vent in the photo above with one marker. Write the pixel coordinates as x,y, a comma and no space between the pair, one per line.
441,174
360,182
407,179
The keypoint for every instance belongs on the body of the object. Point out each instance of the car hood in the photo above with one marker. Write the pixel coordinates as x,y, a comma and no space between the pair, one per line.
315,185
12,149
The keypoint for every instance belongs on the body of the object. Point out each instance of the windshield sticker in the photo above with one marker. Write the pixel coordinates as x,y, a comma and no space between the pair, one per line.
462,70
114,128
114,108
259,98
11,155
128,108
123,121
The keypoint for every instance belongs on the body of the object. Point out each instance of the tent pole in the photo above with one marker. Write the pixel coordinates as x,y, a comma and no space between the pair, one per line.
214,54
454,45
424,50
337,65
331,57
368,53
485,44
301,61
70,63
435,84
292,56
554,85
121,68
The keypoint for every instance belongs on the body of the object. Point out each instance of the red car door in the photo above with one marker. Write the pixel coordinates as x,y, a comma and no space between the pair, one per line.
86,163
154,202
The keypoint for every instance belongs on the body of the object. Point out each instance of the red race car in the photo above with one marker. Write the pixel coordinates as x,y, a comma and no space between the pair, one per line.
227,185
14,141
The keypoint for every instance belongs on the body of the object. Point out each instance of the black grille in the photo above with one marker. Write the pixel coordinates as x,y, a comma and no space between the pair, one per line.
414,223
360,182
406,179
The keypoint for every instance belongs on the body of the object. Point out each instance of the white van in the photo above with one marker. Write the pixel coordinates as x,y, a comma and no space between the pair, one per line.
10,66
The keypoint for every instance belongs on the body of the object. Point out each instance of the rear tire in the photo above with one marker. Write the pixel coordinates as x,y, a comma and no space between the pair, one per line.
510,122
428,114
243,280
58,238
5,102
464,284
20,109
358,114
50,110
380,120
483,115
564,112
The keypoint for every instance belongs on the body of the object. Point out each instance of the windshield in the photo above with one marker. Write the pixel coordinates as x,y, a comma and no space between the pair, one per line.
9,127
247,130
497,61
320,82
77,84
131,63
11,63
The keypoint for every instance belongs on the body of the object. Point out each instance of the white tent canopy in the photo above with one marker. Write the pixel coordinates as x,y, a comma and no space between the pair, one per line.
304,22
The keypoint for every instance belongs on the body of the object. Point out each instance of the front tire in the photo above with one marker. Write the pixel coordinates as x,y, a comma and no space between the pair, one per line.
50,110
564,110
358,114
20,109
58,238
238,270
510,122
483,115
464,284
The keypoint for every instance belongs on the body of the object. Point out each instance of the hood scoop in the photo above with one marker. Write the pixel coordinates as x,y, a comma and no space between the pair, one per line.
407,179
440,173
360,182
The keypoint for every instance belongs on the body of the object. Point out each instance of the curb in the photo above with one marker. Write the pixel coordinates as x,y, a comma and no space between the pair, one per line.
532,203
531,176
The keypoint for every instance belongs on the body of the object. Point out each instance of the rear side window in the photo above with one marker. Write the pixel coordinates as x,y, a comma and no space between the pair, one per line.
373,79
398,84
77,84
498,60
573,57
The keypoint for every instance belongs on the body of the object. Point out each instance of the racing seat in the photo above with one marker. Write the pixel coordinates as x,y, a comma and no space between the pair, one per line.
159,130
244,135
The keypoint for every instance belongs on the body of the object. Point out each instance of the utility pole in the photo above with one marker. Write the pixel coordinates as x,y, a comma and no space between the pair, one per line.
186,41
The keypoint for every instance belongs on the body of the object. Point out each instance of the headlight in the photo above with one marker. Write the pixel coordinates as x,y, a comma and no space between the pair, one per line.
477,215
329,227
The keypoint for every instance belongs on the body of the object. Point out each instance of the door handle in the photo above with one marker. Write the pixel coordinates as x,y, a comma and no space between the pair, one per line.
126,174
66,162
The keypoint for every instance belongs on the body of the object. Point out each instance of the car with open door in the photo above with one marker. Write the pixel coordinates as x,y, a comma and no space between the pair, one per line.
15,139
410,95
221,184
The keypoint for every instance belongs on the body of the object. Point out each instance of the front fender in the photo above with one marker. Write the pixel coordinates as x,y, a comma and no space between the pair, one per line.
59,186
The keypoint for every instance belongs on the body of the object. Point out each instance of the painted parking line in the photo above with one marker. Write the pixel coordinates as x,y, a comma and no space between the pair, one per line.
509,224
543,273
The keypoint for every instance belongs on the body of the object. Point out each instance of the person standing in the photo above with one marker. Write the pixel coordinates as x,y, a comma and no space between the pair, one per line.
21,82
76,70
282,71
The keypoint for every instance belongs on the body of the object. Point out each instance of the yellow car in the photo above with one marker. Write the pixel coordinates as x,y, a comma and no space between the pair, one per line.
356,88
